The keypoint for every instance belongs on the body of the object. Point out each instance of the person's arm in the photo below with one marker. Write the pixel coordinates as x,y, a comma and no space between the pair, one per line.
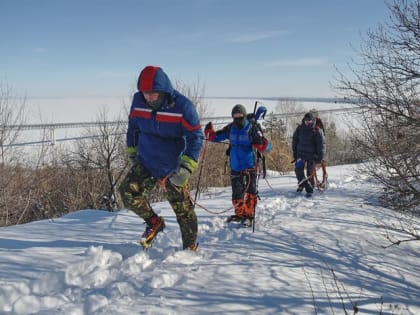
193,133
216,136
295,142
259,142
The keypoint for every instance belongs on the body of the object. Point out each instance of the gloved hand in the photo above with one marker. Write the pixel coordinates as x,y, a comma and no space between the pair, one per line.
209,132
264,147
132,153
299,163
181,176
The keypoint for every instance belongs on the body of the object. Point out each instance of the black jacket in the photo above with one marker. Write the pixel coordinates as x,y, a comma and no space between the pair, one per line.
308,143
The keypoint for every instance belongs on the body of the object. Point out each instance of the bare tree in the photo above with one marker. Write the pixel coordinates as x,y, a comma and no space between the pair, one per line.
385,84
294,112
12,118
11,122
195,93
105,151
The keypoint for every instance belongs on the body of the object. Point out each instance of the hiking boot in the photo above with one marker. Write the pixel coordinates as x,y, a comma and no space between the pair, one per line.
250,204
234,218
247,222
193,247
300,188
239,206
154,225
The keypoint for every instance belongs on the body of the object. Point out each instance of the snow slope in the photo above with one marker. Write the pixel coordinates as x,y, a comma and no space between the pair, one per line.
306,256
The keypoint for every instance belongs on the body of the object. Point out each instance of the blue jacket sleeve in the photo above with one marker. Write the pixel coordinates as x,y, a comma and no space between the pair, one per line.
222,134
193,132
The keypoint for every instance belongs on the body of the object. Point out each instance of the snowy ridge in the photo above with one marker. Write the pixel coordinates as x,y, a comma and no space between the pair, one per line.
88,262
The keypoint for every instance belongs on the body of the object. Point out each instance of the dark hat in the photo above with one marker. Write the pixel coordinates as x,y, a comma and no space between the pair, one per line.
308,116
238,108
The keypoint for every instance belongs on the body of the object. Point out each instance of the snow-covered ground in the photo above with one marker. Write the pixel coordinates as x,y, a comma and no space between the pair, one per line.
306,256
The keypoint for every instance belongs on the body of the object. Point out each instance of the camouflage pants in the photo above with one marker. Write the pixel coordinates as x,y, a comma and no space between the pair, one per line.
136,188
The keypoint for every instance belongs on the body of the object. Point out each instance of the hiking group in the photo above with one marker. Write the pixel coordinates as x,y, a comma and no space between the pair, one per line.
164,142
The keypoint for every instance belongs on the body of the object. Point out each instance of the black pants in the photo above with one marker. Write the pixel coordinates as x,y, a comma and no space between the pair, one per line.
300,175
243,182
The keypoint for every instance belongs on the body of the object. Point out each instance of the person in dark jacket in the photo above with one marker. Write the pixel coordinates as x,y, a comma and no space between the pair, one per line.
245,139
308,149
164,140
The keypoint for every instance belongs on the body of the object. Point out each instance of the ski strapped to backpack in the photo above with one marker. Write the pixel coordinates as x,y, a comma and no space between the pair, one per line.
253,119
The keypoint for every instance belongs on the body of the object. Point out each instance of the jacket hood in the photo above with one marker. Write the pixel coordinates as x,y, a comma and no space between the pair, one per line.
154,79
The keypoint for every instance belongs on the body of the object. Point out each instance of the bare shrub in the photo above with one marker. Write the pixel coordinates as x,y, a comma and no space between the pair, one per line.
386,86
11,122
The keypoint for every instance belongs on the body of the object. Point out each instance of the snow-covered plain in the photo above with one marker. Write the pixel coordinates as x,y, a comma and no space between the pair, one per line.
306,256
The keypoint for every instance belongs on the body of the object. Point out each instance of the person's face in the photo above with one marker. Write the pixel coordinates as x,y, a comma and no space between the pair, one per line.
154,99
238,120
308,122
151,97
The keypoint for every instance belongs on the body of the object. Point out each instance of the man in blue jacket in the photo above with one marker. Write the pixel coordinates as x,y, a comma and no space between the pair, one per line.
245,140
308,148
164,140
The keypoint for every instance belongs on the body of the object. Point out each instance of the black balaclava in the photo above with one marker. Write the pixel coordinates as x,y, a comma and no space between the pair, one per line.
239,122
155,105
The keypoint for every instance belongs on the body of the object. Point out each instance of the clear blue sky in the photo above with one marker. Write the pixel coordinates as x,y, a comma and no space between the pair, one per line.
263,48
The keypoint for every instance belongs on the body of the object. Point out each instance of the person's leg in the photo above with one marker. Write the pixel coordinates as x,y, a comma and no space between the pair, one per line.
251,195
311,182
300,173
134,191
180,201
238,192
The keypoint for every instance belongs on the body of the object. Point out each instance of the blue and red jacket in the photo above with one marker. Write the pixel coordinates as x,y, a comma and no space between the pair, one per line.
162,136
243,145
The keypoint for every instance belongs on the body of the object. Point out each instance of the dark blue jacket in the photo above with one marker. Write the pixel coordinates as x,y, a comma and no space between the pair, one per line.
308,143
242,155
163,136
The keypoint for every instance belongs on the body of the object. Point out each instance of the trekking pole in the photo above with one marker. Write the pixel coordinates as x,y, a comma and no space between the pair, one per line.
258,197
256,184
203,159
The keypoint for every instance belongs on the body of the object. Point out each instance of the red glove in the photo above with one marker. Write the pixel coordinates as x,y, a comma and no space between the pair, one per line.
209,132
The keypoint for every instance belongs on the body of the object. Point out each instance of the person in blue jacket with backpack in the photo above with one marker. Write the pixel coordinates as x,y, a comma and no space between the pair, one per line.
246,139
308,147
164,140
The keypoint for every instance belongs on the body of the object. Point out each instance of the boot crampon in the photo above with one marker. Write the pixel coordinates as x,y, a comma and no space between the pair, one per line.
154,225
